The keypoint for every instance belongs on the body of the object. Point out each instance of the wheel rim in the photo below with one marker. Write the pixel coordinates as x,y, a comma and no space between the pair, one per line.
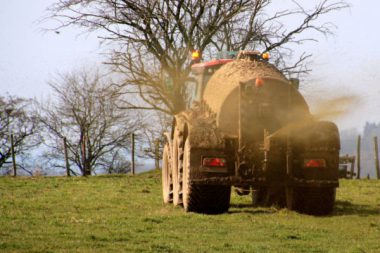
175,174
166,171
186,175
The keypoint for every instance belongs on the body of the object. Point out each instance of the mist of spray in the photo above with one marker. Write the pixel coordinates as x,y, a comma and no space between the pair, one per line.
333,109
329,109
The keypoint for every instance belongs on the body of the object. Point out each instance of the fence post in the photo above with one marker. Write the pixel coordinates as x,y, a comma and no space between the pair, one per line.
376,157
157,153
13,156
352,167
66,157
133,153
84,159
358,155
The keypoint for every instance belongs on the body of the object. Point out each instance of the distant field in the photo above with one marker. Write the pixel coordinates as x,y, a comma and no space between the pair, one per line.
126,214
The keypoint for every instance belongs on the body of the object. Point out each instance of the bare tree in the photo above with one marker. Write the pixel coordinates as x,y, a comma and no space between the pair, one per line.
16,118
150,140
118,164
85,112
154,38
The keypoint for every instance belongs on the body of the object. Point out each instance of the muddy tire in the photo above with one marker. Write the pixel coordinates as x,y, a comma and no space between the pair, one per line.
167,185
186,183
312,200
177,156
209,199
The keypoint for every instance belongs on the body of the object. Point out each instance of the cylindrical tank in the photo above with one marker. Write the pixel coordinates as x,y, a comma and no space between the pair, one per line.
275,99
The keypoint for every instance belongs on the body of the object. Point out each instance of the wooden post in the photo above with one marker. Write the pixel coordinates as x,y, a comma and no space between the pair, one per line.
157,153
66,157
376,157
84,156
13,156
133,153
358,156
352,167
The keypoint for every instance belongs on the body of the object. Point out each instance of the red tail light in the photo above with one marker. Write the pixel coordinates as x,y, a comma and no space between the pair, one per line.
314,163
214,162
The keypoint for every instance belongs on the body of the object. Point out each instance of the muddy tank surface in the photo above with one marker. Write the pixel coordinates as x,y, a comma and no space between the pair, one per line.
222,93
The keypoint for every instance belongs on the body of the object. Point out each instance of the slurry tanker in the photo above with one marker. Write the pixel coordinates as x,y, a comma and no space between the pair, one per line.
247,126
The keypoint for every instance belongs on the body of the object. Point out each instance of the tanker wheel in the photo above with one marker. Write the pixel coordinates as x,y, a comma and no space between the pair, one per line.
311,200
177,156
167,184
209,199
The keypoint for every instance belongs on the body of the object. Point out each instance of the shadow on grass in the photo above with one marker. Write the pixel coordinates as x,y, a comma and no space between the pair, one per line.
341,208
235,205
347,208
250,209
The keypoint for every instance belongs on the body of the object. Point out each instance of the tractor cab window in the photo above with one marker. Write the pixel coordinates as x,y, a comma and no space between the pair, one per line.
202,73
199,80
191,90
207,74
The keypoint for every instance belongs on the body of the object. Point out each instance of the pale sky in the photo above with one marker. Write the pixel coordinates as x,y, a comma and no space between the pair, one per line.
345,64
30,57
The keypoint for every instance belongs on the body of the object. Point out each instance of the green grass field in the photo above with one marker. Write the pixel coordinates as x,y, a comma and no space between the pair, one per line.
126,214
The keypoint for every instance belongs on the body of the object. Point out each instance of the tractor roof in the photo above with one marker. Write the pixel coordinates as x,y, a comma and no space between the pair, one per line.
211,63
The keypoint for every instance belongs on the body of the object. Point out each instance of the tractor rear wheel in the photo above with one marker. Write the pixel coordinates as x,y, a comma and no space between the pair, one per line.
209,199
167,185
177,155
187,187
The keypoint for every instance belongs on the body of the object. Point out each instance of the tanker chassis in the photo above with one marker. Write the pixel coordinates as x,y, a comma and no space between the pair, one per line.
249,127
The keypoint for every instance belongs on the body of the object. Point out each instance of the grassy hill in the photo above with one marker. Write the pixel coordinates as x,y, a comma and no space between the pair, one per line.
126,214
